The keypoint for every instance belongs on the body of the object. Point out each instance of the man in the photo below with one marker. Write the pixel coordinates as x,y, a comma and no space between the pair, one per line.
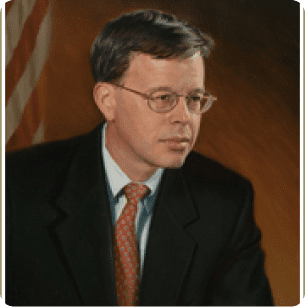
127,214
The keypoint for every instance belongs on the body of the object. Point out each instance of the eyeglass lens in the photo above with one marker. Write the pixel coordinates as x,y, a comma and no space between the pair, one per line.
161,101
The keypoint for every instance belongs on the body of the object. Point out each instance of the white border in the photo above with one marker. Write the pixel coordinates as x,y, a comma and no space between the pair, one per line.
301,156
3,153
2,269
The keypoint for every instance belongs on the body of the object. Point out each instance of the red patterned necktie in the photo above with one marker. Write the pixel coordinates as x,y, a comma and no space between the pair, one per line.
126,253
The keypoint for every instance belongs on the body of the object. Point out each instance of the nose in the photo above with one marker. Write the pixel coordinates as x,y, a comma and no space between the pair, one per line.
181,112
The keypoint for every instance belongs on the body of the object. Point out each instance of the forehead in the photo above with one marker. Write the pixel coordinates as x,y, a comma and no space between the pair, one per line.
146,71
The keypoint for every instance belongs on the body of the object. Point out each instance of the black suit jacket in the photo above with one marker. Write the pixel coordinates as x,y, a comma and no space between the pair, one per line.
203,246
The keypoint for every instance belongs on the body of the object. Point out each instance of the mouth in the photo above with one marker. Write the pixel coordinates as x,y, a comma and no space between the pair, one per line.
177,140
179,144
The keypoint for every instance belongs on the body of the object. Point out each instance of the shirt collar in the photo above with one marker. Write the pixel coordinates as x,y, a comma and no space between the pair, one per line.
117,179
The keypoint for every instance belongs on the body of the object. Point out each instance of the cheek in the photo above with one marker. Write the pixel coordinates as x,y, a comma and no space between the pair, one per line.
154,123
196,127
134,114
143,127
147,122
128,119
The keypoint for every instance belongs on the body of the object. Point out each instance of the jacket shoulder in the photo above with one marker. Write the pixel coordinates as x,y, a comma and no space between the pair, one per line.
40,162
204,175
203,168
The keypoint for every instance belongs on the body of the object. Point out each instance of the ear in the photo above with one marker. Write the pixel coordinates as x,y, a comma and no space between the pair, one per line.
104,99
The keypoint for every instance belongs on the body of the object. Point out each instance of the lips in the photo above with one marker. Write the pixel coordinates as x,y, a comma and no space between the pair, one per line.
177,144
177,140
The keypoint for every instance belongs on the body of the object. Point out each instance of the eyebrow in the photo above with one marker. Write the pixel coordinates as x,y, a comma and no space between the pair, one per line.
197,89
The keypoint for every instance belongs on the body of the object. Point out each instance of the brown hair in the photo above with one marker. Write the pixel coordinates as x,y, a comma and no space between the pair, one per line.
148,31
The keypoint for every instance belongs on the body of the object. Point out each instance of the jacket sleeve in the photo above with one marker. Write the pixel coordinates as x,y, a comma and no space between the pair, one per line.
240,279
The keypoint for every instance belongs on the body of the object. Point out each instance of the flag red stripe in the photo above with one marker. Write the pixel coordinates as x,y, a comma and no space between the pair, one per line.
28,124
16,142
8,6
24,48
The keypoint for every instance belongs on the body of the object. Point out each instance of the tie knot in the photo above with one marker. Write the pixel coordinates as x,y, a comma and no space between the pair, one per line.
135,191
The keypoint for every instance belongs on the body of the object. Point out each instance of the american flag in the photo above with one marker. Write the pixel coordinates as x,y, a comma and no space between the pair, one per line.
27,39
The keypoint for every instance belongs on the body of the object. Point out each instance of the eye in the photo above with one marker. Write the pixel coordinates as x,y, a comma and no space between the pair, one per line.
195,98
162,96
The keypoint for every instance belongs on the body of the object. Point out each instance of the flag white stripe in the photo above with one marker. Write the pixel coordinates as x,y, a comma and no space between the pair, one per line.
27,82
39,134
15,20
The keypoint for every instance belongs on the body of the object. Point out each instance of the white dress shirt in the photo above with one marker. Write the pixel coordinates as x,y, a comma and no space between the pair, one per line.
116,180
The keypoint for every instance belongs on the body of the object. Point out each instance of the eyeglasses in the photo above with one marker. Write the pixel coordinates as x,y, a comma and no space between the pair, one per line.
163,100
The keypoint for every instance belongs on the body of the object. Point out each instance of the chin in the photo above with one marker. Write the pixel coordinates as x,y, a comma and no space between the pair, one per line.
173,163
177,164
167,160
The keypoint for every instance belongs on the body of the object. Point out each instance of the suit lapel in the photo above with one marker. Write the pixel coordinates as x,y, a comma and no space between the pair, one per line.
85,235
169,248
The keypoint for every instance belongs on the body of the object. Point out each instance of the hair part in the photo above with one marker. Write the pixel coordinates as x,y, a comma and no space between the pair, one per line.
152,32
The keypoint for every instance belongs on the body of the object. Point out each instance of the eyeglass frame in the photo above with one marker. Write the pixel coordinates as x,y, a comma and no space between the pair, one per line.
147,97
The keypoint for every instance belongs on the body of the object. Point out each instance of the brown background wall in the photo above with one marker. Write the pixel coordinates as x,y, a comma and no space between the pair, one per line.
253,127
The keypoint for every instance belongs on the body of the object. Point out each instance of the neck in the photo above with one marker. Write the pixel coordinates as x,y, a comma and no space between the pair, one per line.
137,170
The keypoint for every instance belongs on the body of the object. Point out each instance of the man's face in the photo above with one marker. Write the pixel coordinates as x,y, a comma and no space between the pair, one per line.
145,138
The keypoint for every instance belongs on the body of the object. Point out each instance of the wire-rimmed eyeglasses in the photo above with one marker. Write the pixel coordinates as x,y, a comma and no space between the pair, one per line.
163,100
